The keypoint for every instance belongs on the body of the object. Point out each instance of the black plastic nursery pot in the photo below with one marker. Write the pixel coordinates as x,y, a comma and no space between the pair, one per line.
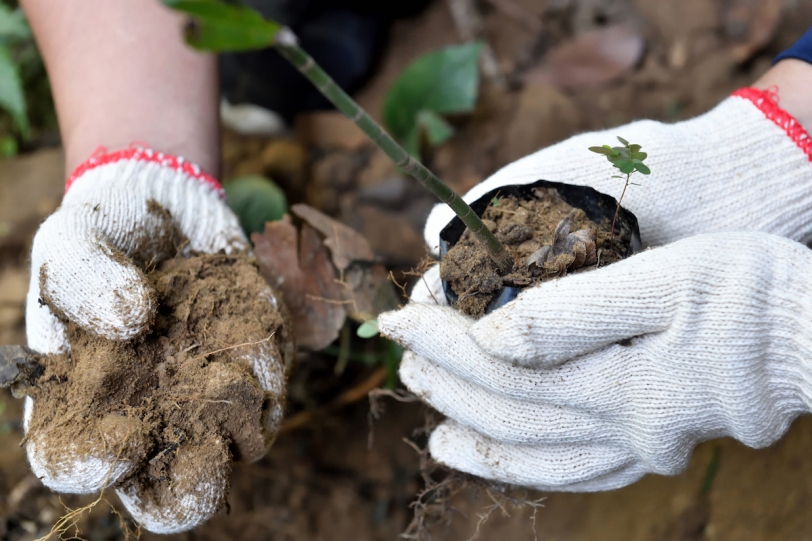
597,206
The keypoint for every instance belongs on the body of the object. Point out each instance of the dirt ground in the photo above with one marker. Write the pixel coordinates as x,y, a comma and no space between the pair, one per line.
323,480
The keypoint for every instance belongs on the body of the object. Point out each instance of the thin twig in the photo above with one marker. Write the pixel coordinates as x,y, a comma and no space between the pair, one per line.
374,380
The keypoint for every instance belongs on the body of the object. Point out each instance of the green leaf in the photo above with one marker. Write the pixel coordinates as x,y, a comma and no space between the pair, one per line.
255,200
443,81
13,26
639,156
368,329
622,140
642,168
625,167
12,98
221,26
8,148
606,151
635,148
436,128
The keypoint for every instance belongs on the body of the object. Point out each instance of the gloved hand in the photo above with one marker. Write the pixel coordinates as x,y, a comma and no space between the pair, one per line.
745,165
591,381
121,211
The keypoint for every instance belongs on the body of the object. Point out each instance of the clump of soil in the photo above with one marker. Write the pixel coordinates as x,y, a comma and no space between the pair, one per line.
190,389
547,238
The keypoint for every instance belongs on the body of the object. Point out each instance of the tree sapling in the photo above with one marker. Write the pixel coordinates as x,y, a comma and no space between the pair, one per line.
217,25
629,160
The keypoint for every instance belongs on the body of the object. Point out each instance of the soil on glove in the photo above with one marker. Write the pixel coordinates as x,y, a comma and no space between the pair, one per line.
547,238
182,397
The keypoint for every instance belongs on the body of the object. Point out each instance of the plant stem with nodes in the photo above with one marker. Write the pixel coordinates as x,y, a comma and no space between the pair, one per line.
288,46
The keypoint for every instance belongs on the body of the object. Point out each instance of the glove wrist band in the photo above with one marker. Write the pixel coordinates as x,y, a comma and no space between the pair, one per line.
144,155
766,101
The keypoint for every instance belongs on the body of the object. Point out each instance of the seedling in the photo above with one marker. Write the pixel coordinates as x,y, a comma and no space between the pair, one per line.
216,25
368,329
629,160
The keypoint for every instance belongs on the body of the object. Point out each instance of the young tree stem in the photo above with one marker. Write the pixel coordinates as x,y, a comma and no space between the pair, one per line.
287,45
617,210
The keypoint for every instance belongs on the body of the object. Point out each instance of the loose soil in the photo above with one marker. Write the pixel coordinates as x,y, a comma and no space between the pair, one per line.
547,238
184,392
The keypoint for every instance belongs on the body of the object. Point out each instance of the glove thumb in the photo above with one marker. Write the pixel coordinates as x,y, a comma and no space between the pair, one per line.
82,277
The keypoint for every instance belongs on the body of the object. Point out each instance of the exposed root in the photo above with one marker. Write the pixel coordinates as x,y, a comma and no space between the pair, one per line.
231,347
69,522
433,506
350,396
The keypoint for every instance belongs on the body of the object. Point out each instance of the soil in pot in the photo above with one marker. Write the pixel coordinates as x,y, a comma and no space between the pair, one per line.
183,396
547,237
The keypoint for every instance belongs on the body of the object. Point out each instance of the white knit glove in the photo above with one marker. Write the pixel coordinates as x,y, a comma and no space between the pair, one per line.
745,165
127,207
590,381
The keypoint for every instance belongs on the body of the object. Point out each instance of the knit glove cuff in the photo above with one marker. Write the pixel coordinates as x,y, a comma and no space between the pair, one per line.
120,210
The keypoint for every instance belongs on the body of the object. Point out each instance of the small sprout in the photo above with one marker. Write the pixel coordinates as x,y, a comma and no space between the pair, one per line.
495,202
368,329
629,160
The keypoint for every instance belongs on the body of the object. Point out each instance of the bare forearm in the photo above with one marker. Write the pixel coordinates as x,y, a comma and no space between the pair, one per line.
793,80
120,73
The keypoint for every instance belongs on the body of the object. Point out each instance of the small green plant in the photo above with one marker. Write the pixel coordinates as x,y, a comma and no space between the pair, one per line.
629,160
442,82
255,200
217,25
368,329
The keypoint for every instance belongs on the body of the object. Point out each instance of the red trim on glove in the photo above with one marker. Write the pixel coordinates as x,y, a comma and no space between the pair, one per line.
102,157
767,103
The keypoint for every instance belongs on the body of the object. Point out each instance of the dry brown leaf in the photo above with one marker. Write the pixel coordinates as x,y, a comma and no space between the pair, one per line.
306,278
346,244
752,24
590,59
368,291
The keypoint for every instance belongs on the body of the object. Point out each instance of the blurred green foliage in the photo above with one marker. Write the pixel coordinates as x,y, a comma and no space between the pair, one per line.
225,26
442,82
25,94
255,200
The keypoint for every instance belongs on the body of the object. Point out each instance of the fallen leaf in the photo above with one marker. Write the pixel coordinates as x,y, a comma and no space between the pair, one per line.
306,278
590,59
752,24
346,244
368,291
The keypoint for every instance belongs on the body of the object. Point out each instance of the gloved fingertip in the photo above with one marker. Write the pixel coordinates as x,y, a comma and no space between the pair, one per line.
393,324
83,459
193,490
446,443
509,339
411,375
